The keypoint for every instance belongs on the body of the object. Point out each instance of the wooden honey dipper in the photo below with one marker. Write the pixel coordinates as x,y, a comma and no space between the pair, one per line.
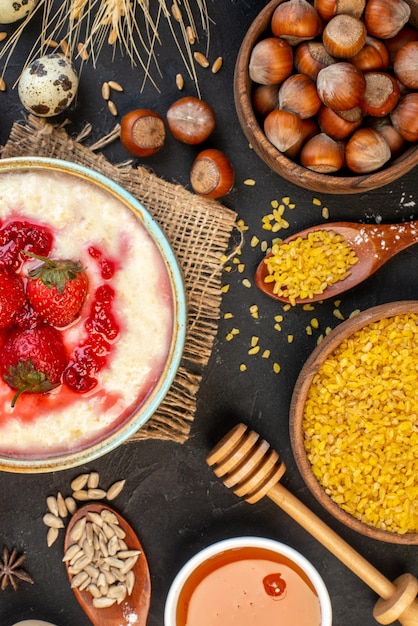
252,469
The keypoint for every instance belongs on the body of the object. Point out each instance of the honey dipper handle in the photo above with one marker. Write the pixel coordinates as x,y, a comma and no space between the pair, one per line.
331,540
396,605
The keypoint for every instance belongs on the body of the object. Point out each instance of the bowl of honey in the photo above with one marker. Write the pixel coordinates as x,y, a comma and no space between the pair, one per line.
247,580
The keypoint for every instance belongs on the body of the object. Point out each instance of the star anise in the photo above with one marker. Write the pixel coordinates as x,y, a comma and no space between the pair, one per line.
10,570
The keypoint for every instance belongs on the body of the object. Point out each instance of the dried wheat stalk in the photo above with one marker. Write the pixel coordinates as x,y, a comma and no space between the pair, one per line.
82,27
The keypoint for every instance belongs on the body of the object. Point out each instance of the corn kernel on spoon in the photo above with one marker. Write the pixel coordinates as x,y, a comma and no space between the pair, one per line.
373,244
253,470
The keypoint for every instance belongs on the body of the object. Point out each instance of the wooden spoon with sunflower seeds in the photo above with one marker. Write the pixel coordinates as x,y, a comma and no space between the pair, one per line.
107,567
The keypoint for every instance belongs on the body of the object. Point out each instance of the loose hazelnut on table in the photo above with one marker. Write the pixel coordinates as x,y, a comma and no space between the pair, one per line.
211,174
142,132
191,120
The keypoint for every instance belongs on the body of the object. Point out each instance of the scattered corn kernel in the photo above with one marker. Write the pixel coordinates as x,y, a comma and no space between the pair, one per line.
254,340
254,350
277,327
274,204
316,201
243,367
246,283
266,354
309,330
337,313
241,268
250,182
325,213
254,241
276,368
308,307
225,288
314,323
228,316
290,338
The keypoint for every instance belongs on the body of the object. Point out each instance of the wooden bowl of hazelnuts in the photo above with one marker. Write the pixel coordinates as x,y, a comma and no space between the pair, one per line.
326,91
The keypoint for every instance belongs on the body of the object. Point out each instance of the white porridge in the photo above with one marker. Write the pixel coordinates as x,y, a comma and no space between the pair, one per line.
90,225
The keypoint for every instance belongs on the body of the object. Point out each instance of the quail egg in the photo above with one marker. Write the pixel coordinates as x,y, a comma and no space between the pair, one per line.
15,10
48,85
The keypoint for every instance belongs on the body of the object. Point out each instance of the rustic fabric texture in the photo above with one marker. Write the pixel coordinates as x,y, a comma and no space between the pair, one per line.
199,232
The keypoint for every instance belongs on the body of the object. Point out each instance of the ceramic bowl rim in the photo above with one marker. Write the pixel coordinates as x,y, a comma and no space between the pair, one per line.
241,542
138,419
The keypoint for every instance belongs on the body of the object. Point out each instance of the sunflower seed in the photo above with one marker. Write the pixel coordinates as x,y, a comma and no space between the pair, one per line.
127,554
103,603
51,536
51,503
78,529
115,591
85,584
115,489
71,505
79,482
92,571
130,582
107,516
94,590
110,577
81,494
96,494
129,564
71,552
79,579
93,479
119,532
52,521
113,545
62,507
108,531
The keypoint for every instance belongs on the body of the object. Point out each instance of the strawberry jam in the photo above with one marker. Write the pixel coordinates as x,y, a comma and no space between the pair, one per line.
102,329
21,235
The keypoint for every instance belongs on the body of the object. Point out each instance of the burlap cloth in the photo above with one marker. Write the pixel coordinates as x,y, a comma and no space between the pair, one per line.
199,232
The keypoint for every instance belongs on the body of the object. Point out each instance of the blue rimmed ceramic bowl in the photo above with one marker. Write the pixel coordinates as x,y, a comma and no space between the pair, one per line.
94,219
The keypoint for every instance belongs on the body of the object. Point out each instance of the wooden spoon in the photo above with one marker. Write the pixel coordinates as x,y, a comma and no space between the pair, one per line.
134,608
374,245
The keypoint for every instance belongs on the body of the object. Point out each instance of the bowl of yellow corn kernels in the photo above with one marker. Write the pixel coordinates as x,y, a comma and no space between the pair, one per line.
354,426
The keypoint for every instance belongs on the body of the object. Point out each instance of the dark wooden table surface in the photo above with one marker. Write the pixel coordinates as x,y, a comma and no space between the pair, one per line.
171,497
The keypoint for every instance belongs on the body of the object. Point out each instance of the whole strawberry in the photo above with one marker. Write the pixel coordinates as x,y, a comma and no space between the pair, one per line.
33,360
57,289
12,296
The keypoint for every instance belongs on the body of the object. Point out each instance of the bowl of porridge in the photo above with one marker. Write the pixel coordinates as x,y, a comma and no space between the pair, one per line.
122,350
